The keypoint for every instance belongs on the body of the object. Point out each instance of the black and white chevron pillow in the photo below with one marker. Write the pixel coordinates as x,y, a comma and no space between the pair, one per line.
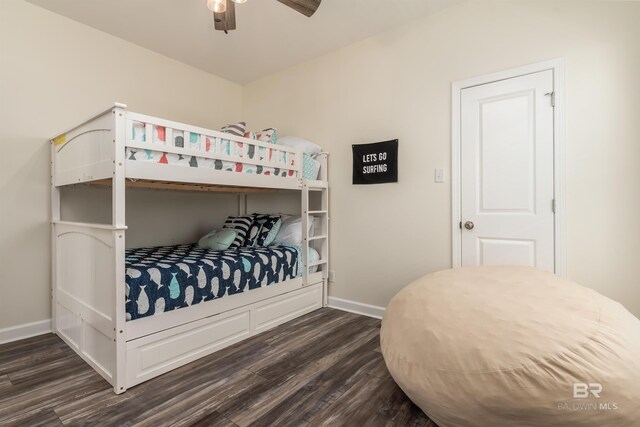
241,225
237,129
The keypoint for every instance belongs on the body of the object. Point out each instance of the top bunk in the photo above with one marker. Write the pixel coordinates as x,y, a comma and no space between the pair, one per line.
150,152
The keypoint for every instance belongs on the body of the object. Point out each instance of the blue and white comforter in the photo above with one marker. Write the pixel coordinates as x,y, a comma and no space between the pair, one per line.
166,278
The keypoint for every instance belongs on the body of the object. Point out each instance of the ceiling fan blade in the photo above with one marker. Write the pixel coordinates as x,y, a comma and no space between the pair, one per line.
226,21
305,7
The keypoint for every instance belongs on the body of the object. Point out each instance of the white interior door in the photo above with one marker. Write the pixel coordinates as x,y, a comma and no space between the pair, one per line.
507,172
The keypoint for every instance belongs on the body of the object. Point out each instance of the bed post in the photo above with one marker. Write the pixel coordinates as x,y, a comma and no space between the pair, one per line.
305,232
324,176
324,252
55,216
242,204
118,219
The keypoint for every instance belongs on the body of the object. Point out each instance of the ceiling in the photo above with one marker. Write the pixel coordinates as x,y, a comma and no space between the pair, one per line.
270,36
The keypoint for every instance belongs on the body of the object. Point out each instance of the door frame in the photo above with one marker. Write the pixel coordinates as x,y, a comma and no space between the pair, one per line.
559,172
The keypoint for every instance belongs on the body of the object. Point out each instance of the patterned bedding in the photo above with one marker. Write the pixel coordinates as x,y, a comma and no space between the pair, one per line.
310,165
166,278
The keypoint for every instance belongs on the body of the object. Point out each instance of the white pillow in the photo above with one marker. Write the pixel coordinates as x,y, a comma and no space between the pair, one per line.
312,256
306,146
291,230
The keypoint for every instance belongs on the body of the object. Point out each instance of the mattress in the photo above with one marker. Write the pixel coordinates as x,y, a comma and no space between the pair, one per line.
166,278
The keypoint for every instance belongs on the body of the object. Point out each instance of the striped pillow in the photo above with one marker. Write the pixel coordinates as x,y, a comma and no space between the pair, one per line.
241,225
237,129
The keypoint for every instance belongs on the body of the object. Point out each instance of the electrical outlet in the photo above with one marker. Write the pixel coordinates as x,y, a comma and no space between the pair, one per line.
332,276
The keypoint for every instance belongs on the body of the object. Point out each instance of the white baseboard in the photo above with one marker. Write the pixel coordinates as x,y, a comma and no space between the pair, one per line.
356,307
15,333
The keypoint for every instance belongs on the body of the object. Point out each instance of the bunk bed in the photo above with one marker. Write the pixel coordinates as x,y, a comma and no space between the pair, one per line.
123,149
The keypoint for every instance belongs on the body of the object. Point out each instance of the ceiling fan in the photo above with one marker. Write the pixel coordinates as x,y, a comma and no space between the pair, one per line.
224,11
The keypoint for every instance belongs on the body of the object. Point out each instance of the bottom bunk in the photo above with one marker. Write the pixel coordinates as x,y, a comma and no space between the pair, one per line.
165,278
183,302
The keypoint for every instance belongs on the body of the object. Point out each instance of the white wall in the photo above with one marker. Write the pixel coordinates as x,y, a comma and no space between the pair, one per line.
154,217
54,73
397,85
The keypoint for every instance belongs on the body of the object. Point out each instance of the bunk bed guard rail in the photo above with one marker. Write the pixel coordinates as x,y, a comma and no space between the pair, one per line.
154,147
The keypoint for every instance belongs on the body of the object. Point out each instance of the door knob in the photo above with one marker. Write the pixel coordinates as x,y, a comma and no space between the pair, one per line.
469,225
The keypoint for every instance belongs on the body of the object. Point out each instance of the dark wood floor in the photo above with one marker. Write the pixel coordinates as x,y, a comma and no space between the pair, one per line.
322,369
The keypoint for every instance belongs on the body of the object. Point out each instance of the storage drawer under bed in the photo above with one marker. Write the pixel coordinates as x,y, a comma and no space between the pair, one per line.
155,354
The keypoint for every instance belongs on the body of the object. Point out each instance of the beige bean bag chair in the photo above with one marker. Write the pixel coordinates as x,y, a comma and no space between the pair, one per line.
513,346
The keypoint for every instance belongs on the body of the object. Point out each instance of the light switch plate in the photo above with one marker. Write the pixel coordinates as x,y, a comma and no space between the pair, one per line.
439,176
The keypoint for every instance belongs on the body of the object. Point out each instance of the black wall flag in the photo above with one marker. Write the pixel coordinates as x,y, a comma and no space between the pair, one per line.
375,163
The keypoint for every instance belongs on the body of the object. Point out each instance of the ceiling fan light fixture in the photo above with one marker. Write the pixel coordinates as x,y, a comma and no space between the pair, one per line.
217,6
224,11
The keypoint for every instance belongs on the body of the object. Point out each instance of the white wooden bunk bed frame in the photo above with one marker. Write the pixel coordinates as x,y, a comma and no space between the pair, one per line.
88,260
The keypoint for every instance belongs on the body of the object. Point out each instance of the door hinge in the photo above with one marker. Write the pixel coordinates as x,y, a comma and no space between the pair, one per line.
552,98
460,225
553,205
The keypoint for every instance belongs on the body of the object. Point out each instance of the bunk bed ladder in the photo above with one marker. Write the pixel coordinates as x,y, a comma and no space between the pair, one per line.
320,237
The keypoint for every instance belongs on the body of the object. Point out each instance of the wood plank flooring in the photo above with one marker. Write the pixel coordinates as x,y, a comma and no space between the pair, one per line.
324,368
